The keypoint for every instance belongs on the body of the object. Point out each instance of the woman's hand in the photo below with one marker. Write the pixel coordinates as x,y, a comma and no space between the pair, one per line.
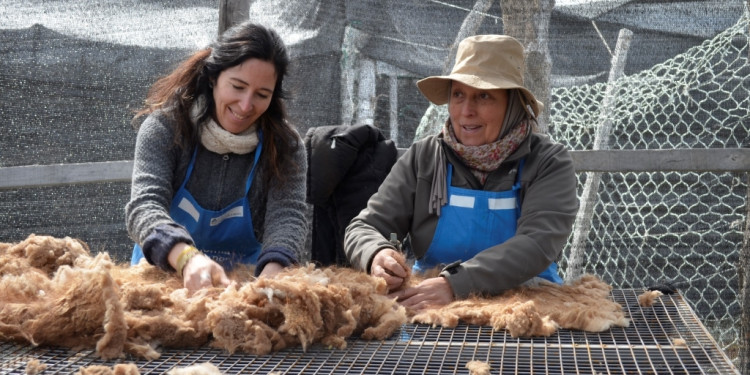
271,269
385,265
430,293
202,272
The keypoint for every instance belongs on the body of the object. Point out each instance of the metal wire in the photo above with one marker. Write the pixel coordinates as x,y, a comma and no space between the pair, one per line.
647,346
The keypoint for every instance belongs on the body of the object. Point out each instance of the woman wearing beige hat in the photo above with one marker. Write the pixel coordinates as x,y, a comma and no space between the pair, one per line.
488,200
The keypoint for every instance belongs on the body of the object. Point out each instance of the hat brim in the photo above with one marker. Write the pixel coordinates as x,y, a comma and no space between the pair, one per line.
437,88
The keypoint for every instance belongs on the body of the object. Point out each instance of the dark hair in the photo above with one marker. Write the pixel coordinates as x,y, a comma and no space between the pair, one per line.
193,80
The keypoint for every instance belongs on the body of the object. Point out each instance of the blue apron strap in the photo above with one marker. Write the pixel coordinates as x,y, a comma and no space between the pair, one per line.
517,186
258,149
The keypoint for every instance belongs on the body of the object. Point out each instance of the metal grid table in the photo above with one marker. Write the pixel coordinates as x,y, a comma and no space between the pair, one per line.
647,346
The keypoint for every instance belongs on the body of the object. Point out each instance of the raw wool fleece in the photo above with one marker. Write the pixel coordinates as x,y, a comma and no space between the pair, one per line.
540,310
56,293
536,311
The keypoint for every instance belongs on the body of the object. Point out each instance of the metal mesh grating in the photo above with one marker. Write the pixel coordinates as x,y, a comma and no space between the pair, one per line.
647,346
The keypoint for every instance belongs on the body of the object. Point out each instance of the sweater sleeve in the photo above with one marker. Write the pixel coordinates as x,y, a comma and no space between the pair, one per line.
151,193
286,222
389,210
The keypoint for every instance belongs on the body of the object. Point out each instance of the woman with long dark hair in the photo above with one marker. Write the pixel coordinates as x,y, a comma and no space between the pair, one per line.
219,174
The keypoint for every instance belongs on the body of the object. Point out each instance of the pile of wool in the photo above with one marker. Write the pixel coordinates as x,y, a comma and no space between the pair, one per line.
56,293
539,310
301,306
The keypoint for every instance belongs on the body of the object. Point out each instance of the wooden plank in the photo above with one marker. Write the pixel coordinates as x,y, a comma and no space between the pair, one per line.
682,160
678,160
61,174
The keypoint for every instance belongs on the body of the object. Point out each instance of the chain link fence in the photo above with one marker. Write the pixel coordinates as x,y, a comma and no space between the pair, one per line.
682,228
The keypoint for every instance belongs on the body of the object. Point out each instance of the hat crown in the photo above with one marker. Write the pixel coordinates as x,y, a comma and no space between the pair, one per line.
490,57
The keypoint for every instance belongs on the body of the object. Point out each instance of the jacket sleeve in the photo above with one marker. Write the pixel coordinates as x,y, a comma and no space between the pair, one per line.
151,193
286,222
548,210
389,210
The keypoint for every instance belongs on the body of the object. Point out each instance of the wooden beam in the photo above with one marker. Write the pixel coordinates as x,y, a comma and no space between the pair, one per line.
61,174
677,160
682,160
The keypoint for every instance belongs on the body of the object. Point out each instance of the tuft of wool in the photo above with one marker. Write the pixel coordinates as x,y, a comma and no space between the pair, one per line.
199,369
34,367
647,298
478,368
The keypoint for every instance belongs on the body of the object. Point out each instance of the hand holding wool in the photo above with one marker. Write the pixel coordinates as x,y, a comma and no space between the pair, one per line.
202,272
390,265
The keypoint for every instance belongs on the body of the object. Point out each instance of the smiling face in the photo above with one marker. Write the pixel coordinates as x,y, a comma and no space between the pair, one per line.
243,93
476,115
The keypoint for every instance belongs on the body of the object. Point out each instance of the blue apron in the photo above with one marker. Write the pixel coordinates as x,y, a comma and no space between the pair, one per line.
227,235
474,220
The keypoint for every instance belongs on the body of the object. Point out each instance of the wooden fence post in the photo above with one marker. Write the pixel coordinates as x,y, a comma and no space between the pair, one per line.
582,225
232,12
743,269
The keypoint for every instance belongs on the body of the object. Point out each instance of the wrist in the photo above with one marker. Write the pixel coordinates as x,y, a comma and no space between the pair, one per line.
183,257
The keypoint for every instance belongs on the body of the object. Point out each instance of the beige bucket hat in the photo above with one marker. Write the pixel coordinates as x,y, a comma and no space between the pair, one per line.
484,62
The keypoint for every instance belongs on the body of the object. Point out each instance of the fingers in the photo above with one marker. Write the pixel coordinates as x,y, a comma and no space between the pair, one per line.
223,279
393,282
202,272
430,293
404,294
394,268
418,302
386,266
271,269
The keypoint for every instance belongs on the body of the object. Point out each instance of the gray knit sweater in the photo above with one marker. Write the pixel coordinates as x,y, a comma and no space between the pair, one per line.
279,214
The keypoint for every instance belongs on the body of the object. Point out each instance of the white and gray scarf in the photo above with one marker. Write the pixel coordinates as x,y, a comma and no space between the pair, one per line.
220,141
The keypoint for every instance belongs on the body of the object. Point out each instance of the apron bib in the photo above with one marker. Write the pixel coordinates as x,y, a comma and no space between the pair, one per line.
226,236
474,220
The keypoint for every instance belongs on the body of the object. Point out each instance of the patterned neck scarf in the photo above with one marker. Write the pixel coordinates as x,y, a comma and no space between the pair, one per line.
484,159
481,159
